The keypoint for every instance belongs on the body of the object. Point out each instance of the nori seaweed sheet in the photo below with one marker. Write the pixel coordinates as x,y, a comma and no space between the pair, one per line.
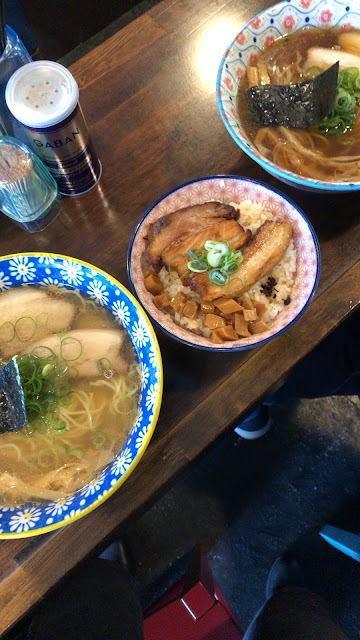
12,403
295,105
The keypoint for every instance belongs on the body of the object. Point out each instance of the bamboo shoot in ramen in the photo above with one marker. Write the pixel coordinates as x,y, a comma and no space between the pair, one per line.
81,382
329,151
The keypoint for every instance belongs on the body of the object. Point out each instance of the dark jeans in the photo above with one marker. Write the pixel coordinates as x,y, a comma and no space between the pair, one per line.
332,368
294,613
98,601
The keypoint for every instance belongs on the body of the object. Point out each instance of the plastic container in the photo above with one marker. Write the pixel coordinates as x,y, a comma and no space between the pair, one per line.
14,56
28,192
44,96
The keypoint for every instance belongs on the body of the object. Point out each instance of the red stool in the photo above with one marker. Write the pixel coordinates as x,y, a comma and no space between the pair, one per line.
193,609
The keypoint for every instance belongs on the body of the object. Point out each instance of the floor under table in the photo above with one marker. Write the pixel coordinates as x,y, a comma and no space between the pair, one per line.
271,495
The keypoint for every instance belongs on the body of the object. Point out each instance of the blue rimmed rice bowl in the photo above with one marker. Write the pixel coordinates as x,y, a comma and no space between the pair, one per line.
230,189
50,269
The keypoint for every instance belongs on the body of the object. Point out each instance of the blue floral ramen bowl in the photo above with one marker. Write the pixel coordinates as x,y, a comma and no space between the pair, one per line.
257,35
51,269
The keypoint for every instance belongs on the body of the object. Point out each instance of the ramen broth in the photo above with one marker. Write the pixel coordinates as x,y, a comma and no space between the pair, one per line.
61,451
303,151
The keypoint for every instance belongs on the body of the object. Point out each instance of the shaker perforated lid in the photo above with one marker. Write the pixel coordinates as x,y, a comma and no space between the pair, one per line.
41,94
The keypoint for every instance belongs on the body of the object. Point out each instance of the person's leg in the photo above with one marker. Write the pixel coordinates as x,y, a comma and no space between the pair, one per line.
97,602
294,613
332,368
291,611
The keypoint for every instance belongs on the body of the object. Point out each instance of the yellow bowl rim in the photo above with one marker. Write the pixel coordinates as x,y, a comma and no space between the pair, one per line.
141,451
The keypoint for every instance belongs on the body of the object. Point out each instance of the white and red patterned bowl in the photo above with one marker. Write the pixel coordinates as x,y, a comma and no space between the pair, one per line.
281,19
230,189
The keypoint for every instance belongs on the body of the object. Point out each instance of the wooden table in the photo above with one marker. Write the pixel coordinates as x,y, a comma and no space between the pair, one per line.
149,100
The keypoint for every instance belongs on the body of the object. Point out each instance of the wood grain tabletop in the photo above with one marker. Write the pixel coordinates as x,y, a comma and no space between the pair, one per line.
148,97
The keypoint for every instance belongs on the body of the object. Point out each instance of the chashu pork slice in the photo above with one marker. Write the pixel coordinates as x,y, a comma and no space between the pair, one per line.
229,230
28,314
325,58
184,221
82,349
260,256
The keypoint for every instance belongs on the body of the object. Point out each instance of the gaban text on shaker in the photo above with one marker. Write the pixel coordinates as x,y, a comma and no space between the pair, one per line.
44,97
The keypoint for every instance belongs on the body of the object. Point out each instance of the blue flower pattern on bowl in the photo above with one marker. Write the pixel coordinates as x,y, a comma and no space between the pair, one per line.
44,270
279,20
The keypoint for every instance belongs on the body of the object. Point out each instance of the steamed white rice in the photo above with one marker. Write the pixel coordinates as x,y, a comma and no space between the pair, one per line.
252,216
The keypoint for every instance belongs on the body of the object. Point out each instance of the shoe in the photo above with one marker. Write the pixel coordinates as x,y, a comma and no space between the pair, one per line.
256,424
116,552
285,572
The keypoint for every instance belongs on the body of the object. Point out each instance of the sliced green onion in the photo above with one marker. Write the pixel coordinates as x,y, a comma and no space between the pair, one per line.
39,424
44,352
98,440
63,370
209,244
25,328
177,255
199,266
175,273
63,388
216,276
42,319
216,258
348,77
230,267
26,432
46,387
197,254
72,372
216,254
313,71
344,101
77,452
60,426
35,407
103,364
61,448
7,332
342,116
230,286
66,400
238,256
46,458
66,346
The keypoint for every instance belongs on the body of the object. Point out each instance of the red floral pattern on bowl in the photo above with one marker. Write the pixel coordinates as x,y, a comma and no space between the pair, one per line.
288,22
231,189
258,34
326,16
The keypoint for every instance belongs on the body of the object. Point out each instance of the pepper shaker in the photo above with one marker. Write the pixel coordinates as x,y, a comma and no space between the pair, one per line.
44,97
